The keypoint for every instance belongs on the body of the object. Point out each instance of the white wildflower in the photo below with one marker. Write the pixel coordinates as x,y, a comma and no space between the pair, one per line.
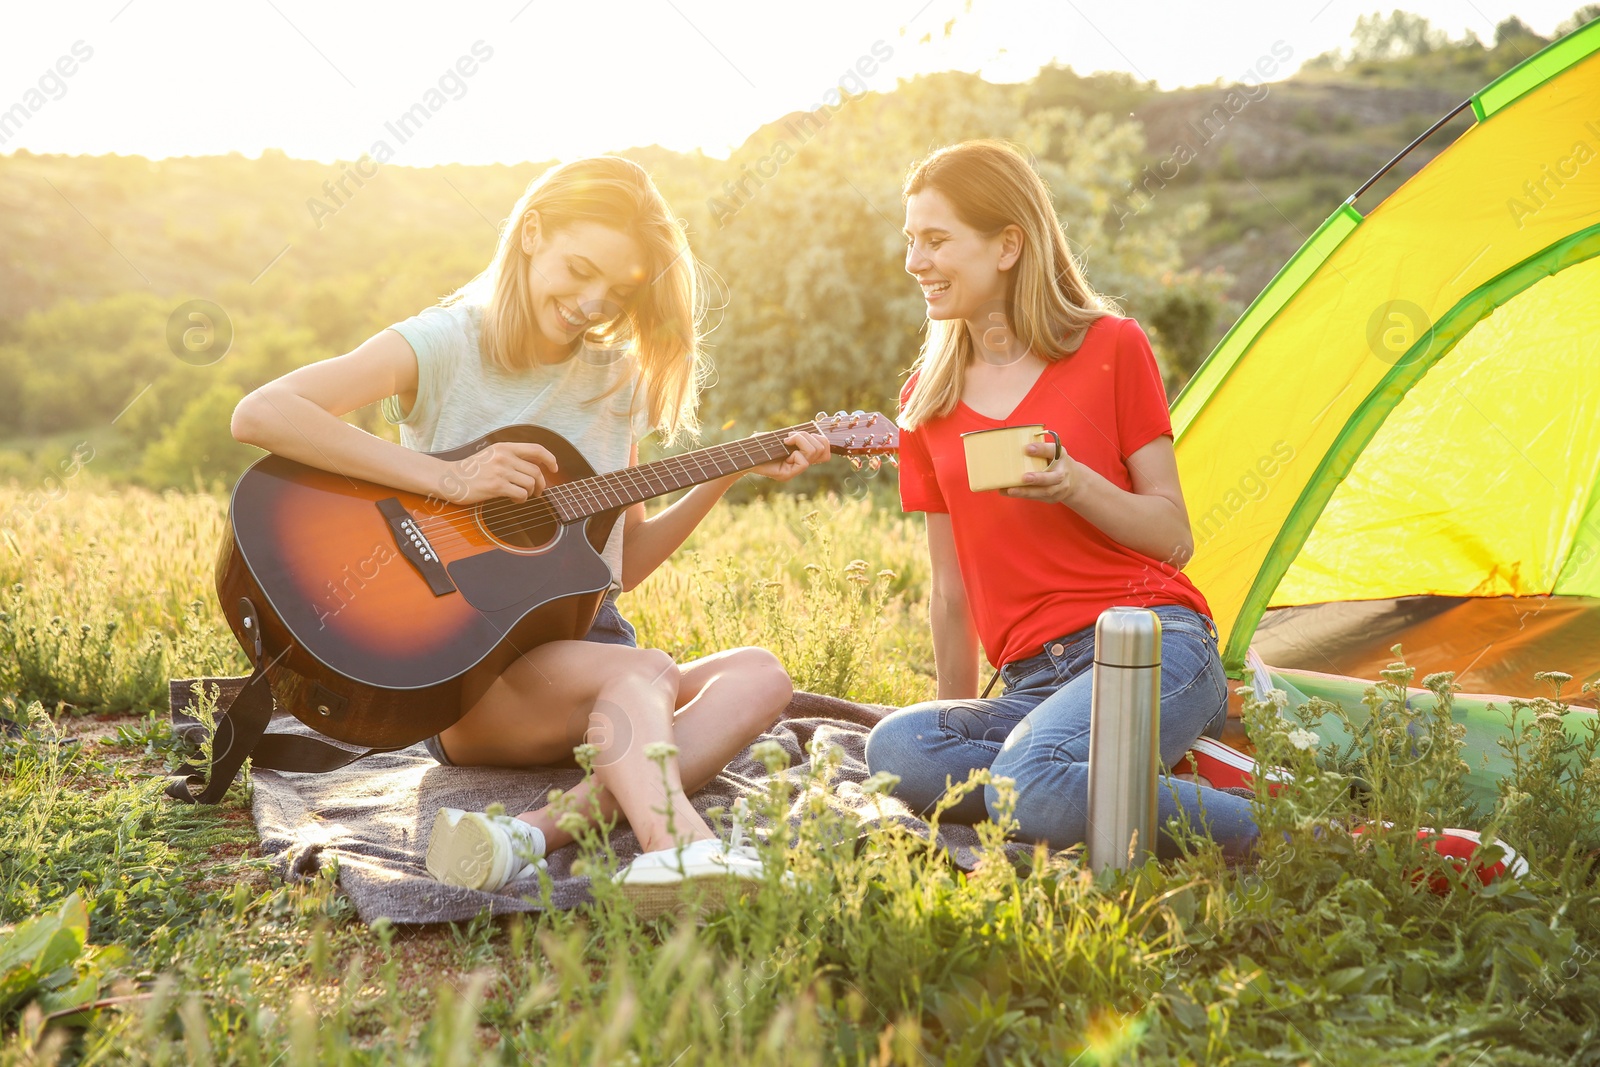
881,782
1303,739
659,751
1279,698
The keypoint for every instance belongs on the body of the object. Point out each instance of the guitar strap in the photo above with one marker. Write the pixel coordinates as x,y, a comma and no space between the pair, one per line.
241,733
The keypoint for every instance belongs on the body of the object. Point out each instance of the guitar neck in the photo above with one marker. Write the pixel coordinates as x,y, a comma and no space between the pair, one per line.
630,485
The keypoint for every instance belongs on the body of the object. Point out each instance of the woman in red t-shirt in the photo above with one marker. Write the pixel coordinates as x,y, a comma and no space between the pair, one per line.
1016,336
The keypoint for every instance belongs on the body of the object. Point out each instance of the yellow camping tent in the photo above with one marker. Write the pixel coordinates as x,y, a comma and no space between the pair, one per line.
1412,406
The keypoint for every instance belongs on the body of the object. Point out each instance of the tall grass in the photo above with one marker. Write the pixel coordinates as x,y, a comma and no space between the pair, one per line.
1331,948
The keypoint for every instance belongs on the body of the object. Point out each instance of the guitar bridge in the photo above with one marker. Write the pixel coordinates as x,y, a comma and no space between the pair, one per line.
415,546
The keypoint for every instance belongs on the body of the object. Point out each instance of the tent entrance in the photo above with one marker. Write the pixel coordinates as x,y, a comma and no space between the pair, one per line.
1493,644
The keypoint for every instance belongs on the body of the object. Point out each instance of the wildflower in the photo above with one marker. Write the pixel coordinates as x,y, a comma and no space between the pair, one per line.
1557,679
496,808
660,751
585,754
1303,739
770,755
572,822
1245,692
882,783
1279,698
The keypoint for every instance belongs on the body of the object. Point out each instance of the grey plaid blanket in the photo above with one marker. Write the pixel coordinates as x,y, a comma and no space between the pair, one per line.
374,816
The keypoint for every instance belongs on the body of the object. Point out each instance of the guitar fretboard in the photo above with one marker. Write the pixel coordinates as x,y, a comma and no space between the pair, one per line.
620,488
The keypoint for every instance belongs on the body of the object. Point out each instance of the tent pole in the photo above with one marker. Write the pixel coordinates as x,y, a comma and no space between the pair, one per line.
1429,132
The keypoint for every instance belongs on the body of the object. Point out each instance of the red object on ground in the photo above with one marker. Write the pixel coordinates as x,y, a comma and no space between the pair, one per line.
1214,764
1461,847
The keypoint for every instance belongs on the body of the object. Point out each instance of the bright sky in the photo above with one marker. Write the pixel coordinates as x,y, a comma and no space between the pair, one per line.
562,79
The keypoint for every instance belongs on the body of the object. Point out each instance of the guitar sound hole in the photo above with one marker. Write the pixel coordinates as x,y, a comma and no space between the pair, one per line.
521,523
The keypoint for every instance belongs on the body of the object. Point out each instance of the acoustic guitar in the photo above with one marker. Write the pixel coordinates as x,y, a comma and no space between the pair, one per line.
382,615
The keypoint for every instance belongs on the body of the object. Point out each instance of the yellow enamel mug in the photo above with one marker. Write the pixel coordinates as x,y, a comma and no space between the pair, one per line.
997,458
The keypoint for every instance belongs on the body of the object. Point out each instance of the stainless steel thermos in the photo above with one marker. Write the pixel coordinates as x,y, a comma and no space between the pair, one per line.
1124,737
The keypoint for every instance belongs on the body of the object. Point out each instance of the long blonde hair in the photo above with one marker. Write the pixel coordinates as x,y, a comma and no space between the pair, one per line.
660,322
1049,305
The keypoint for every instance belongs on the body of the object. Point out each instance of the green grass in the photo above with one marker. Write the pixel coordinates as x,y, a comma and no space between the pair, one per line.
1324,952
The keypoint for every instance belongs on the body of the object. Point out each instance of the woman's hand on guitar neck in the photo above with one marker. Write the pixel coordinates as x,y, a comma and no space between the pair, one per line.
515,470
808,448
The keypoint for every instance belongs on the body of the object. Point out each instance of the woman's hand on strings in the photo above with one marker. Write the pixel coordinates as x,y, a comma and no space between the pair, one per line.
808,448
515,470
1056,484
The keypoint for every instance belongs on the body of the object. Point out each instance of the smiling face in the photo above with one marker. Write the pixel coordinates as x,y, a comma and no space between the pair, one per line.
960,270
580,275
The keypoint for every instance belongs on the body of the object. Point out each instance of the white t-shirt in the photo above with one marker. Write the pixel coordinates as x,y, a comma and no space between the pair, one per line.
461,396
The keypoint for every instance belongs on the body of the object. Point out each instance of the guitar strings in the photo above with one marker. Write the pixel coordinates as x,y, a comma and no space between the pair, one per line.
542,508
443,530
586,492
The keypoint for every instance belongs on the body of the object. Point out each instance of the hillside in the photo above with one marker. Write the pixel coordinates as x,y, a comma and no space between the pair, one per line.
1182,203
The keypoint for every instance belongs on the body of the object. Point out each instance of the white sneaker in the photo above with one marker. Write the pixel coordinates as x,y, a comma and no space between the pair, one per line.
654,881
485,852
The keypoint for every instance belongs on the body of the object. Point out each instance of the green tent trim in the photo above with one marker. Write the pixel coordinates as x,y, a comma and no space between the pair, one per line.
1505,90
1367,418
1259,315
1536,70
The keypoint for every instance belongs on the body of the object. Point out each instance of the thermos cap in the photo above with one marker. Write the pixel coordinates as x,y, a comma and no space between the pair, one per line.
1128,637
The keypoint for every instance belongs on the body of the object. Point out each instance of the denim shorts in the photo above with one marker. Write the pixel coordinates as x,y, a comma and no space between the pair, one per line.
609,628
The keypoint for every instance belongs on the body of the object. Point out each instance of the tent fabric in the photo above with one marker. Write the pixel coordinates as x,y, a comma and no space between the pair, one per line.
1478,481
1491,644
1410,406
1484,720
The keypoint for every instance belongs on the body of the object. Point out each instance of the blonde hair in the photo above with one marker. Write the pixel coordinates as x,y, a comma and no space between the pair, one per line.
1048,306
660,322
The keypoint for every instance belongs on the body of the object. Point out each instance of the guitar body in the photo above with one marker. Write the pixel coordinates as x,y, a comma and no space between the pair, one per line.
370,640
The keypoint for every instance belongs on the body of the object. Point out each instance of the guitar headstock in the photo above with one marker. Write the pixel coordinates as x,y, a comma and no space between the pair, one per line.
860,433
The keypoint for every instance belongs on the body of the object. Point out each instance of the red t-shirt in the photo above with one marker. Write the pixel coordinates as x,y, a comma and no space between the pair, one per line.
1035,571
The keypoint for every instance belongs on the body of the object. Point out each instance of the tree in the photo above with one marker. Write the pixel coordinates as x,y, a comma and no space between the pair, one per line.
1579,18
1398,34
199,448
1513,31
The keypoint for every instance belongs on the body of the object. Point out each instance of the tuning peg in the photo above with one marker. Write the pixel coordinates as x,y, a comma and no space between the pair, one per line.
872,419
821,415
894,461
855,462
875,462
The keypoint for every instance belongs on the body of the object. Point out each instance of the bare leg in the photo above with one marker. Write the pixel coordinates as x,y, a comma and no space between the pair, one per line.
725,701
617,697
621,699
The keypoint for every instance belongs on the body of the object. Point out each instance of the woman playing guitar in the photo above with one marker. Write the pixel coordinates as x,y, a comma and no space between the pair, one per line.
586,322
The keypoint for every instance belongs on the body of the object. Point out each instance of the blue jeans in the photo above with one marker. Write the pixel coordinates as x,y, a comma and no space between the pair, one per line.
609,628
1037,734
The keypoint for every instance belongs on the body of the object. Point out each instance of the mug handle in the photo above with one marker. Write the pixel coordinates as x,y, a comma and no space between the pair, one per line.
1059,449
